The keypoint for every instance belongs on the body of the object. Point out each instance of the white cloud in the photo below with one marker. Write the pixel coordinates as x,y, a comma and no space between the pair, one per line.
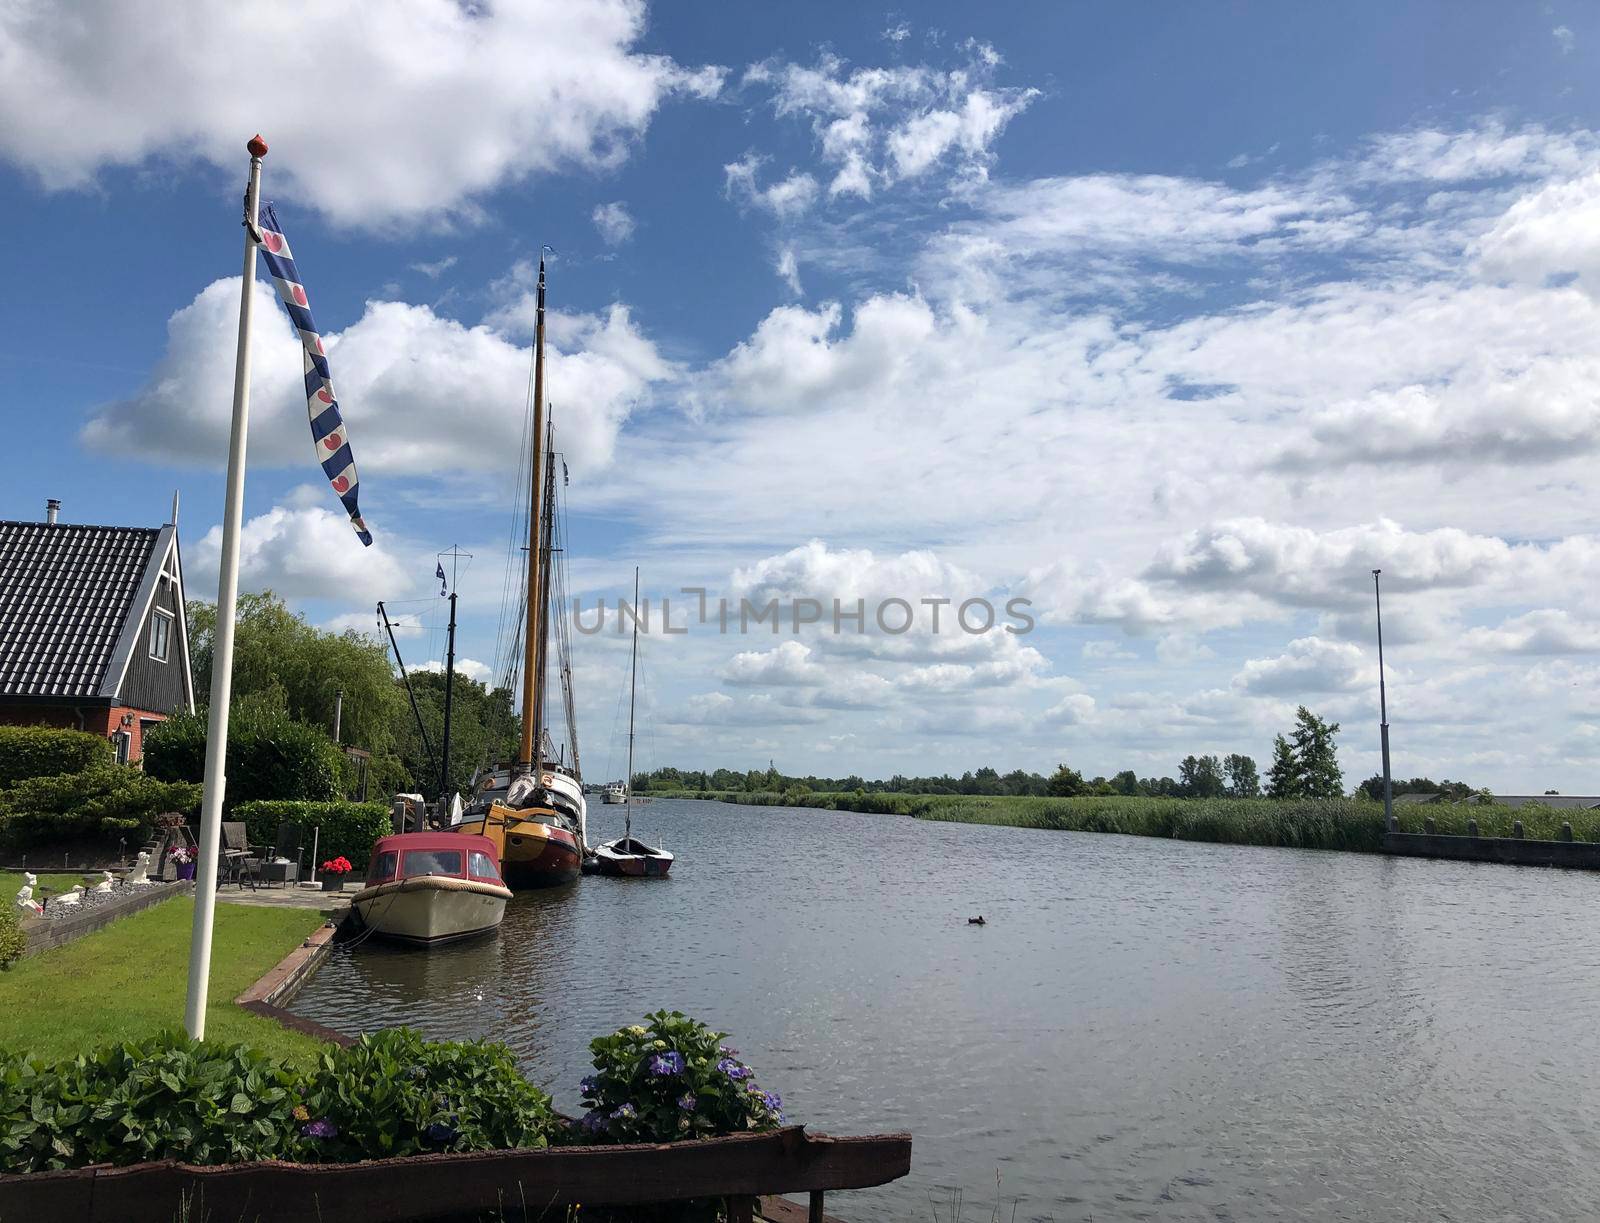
422,394
1565,39
1550,232
787,663
788,269
786,199
1545,631
303,551
420,109
615,223
435,269
1310,666
469,667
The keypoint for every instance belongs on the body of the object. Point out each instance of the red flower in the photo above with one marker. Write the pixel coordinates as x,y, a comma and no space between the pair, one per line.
338,866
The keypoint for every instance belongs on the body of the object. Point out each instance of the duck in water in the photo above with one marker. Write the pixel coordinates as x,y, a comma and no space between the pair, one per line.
977,921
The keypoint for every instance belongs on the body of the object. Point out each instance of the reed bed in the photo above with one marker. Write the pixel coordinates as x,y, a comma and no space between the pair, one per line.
1325,823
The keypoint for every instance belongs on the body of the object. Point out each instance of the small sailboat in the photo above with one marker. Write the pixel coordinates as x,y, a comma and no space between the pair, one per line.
537,823
432,887
628,855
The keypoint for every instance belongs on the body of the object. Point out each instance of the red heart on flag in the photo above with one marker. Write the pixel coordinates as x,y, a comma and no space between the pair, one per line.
300,295
324,395
274,241
331,441
340,485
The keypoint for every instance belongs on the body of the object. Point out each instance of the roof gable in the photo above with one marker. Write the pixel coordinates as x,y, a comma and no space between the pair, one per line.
67,593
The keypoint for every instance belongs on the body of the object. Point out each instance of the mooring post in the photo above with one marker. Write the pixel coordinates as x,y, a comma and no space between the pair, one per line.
1516,829
1428,826
1566,830
1472,828
815,1213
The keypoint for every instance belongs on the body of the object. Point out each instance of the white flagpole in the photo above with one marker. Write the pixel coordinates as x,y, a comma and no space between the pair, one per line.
205,886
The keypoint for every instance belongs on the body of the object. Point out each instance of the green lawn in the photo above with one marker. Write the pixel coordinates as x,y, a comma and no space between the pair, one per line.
130,980
11,881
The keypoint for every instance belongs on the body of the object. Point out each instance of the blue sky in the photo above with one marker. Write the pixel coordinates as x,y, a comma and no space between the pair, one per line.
1175,322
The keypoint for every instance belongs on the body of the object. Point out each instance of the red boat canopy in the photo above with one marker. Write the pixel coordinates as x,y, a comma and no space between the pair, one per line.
454,855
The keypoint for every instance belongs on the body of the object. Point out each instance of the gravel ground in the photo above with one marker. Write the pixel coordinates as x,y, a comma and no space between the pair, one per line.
94,900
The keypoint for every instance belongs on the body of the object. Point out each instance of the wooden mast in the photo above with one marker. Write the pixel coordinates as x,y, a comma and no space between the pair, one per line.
532,715
546,543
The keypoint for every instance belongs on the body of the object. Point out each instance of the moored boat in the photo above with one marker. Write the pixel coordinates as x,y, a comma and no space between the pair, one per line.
432,887
614,794
628,855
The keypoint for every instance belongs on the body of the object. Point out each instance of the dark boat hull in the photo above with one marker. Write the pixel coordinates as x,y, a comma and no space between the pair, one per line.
616,859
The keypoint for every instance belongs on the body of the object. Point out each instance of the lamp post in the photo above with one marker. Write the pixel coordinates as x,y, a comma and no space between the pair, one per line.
1383,713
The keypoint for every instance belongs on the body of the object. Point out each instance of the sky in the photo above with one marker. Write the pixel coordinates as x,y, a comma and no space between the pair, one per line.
1174,323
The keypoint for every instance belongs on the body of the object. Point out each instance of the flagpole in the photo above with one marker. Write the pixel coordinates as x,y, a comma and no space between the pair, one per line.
205,887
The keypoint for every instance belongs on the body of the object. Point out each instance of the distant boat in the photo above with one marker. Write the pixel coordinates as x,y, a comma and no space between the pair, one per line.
539,826
628,855
615,793
432,887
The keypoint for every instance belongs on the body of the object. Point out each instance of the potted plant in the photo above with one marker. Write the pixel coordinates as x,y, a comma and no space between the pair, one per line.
183,858
333,872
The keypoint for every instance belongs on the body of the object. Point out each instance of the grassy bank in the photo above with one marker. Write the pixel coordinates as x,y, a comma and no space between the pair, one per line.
129,982
1337,823
10,881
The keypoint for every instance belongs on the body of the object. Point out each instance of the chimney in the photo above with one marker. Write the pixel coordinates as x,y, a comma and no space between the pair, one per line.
52,507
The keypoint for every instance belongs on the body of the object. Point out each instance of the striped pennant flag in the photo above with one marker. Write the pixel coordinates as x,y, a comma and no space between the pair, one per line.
327,426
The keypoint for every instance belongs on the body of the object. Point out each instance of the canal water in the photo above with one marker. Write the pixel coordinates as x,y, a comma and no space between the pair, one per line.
1143,1029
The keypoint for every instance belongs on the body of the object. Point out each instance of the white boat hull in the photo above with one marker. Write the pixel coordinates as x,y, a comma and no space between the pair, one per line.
431,909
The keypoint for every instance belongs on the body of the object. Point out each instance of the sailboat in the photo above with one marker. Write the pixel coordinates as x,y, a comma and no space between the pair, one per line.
538,820
628,855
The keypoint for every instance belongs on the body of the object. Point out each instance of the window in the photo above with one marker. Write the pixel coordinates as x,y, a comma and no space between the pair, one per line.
161,635
382,868
122,741
433,862
483,866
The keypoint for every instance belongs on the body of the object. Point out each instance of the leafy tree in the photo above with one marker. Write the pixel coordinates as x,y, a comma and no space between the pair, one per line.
270,755
279,658
1125,782
1283,778
1200,777
1316,757
484,730
1243,781
1065,782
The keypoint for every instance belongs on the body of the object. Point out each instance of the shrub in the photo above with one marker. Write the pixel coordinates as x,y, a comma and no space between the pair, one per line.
347,829
108,800
672,1080
12,941
270,755
40,751
393,1093
165,1098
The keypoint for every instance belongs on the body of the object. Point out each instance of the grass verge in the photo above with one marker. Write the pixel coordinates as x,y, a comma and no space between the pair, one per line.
129,981
11,881
1333,823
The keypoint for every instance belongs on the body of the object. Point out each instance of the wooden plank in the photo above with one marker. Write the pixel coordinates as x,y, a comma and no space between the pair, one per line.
781,1210
424,1186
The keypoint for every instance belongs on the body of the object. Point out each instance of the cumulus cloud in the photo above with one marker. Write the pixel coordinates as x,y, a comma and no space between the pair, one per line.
304,551
1308,667
786,199
422,394
431,104
787,663
878,126
615,223
469,667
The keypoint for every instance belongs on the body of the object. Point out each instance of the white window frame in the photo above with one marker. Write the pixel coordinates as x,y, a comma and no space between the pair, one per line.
162,616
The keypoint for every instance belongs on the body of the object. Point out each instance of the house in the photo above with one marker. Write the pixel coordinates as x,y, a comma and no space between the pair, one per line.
93,634
1567,802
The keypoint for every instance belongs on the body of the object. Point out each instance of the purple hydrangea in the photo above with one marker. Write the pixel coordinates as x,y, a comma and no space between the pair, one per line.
663,1064
590,1085
687,1101
734,1070
320,1129
440,1132
594,1121
625,1112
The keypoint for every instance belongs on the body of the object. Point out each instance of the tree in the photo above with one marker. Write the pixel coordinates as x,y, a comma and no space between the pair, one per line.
1125,782
1316,757
1200,777
1283,778
1065,782
1243,780
287,663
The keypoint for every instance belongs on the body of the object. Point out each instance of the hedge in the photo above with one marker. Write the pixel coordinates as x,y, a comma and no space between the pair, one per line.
42,751
347,829
107,801
270,756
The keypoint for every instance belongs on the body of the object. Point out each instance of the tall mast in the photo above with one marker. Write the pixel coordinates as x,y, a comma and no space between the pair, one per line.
533,734
541,654
633,684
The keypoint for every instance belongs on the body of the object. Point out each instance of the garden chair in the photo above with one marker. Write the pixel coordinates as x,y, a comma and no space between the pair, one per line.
285,845
240,861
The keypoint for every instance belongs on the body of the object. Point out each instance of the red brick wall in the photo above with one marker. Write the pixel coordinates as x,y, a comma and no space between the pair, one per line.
97,720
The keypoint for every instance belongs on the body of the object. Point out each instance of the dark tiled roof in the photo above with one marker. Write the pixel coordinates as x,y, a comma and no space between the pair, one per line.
65,593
